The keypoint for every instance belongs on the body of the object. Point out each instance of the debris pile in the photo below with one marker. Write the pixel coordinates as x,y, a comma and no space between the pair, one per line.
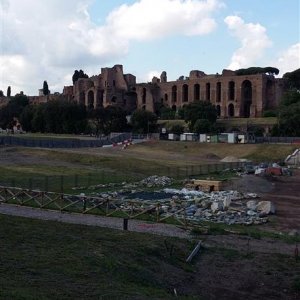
156,181
151,181
229,207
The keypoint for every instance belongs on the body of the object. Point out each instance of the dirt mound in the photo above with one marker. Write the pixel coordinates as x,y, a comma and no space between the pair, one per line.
230,159
211,156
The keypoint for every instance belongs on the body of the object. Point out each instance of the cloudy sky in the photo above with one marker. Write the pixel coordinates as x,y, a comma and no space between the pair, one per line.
47,40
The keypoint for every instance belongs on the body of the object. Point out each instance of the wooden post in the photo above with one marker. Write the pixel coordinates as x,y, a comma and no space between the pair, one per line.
194,252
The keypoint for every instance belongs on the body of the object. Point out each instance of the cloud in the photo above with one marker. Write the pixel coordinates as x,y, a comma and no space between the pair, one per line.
55,37
254,41
289,60
151,19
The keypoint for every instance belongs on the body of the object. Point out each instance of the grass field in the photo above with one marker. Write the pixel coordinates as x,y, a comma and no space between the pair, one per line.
62,169
51,260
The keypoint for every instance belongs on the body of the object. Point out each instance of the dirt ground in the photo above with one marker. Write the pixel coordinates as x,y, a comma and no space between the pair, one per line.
284,191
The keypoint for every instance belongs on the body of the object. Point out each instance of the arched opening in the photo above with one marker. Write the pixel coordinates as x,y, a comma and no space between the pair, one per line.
218,90
185,93
231,110
231,90
90,100
144,95
218,107
100,99
246,98
208,91
166,97
144,107
82,98
174,107
270,95
174,93
197,92
113,99
114,83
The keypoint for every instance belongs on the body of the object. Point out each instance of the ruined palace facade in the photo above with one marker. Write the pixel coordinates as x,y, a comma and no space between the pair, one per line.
233,95
111,87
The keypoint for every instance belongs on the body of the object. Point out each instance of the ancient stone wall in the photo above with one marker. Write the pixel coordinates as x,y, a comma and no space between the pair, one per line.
233,96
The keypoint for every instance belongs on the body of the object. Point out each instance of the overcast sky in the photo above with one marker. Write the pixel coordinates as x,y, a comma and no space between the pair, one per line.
47,40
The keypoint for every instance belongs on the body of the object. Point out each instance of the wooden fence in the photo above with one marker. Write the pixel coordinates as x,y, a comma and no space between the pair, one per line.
127,209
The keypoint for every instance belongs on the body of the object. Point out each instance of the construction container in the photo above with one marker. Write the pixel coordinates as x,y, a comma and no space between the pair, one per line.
203,138
173,137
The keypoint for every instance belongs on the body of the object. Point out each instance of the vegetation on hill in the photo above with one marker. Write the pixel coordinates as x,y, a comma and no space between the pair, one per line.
293,79
78,74
288,115
257,70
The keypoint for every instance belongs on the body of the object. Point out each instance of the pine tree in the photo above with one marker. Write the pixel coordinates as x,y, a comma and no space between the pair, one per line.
45,88
8,91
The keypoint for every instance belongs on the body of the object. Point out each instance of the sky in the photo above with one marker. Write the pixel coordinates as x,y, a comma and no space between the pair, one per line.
47,40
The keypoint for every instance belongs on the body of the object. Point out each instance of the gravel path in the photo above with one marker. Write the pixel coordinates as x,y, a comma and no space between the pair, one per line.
92,220
230,241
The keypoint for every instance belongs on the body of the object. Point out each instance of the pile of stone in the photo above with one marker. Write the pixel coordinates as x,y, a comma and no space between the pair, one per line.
156,181
229,207
151,181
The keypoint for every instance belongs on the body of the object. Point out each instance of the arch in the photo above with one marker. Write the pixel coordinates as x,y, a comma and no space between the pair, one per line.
174,108
99,99
174,93
270,95
197,92
208,91
144,107
166,97
246,98
231,110
231,90
144,95
218,91
82,98
113,99
218,108
185,93
90,100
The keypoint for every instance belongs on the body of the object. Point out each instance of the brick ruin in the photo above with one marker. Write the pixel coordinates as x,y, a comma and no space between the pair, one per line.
233,95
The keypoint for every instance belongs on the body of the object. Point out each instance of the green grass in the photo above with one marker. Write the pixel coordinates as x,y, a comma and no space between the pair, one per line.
247,121
86,167
49,260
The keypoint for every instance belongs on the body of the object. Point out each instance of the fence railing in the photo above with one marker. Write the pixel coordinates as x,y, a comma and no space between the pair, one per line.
127,209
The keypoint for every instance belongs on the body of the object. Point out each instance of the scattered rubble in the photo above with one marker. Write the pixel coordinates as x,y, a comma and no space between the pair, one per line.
151,181
229,207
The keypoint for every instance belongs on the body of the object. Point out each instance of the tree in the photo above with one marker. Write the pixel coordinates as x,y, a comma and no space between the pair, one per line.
12,110
177,129
1,94
8,91
108,119
292,79
199,110
257,70
143,121
288,115
45,88
167,113
202,126
78,74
